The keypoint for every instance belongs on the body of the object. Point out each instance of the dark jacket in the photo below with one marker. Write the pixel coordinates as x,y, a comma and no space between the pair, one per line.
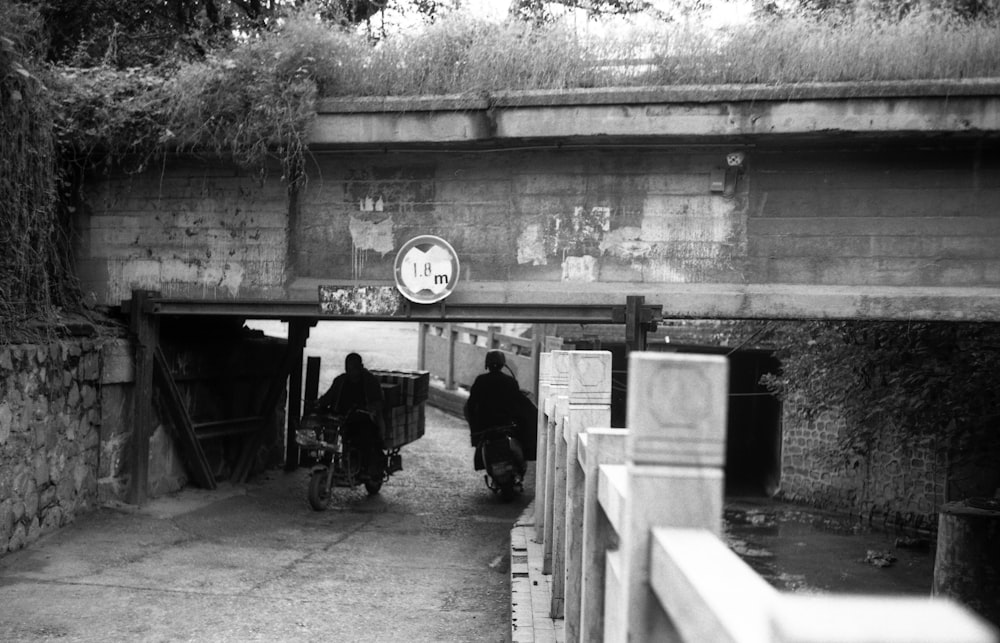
344,395
494,399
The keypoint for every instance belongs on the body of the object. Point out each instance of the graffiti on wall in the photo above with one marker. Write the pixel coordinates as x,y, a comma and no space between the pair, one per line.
368,236
671,241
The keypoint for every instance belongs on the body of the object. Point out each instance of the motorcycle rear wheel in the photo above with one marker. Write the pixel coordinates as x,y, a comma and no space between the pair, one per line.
319,494
373,487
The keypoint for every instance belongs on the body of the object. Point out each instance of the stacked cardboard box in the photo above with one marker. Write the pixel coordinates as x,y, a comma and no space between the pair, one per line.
414,385
405,394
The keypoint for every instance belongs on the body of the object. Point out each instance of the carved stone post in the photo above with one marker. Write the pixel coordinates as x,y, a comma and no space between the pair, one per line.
589,406
557,551
544,384
558,388
675,452
603,446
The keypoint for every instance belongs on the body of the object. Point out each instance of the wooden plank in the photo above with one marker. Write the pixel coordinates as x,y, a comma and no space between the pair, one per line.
225,428
191,451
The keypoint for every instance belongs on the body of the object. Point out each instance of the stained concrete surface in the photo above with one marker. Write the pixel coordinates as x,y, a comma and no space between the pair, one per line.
425,560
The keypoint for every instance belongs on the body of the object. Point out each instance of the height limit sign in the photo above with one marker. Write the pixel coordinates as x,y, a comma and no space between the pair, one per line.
426,269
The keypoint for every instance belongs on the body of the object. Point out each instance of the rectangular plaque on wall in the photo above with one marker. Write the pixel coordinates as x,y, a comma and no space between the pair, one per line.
374,301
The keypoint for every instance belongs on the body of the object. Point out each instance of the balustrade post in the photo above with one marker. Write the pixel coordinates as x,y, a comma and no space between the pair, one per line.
422,329
536,352
557,551
675,453
449,380
544,385
603,446
558,388
589,406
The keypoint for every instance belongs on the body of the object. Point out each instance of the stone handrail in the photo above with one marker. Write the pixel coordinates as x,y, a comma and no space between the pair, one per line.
630,521
455,353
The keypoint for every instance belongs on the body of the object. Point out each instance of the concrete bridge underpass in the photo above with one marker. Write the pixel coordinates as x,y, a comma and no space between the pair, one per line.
836,201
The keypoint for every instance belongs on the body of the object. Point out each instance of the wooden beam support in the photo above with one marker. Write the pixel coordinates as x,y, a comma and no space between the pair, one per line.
145,337
635,327
298,333
225,428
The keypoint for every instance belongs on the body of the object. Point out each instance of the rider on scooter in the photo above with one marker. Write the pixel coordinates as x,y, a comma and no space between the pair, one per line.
357,388
493,398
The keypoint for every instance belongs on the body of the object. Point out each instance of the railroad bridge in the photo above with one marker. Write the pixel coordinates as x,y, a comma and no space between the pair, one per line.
862,200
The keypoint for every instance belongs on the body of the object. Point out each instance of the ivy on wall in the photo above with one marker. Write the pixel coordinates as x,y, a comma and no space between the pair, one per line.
34,273
921,383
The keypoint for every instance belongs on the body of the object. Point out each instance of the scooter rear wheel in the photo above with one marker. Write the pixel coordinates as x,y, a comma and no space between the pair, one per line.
507,492
319,494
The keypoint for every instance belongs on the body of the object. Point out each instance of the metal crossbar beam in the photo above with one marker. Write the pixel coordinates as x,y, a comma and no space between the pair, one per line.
286,310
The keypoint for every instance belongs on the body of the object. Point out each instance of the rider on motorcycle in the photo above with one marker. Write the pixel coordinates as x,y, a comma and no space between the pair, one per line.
358,389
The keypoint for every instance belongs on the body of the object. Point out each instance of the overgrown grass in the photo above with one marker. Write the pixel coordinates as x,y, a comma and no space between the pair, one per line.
465,56
254,101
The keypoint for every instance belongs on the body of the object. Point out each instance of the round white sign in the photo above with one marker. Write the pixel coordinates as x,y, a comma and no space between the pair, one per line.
426,269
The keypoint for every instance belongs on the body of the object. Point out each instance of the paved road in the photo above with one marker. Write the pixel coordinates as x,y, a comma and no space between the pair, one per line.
426,560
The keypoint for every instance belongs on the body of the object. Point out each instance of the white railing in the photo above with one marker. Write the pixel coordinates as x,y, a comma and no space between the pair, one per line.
630,521
455,353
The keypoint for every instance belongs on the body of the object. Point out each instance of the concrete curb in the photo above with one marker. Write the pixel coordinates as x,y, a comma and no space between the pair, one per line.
530,590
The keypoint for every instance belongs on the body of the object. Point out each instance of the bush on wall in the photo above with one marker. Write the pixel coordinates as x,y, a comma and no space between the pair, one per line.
927,384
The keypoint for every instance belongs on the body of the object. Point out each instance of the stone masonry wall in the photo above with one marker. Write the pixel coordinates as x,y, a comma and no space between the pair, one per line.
893,486
66,424
50,420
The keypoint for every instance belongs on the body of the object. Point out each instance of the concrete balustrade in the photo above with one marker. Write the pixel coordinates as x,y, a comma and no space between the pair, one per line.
633,518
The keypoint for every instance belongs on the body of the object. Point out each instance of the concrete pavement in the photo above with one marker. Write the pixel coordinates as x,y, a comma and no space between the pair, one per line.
426,560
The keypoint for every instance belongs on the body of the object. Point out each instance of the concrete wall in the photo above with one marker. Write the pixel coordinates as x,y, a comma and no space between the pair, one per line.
864,217
570,218
891,230
189,229
166,468
880,215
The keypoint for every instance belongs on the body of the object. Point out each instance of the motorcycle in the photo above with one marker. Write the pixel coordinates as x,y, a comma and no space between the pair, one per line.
499,453
336,444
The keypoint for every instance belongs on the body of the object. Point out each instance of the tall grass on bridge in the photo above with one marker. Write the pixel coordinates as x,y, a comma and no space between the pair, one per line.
461,55
253,103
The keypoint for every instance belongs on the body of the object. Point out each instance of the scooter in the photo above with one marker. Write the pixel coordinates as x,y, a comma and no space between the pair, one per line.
335,442
499,453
